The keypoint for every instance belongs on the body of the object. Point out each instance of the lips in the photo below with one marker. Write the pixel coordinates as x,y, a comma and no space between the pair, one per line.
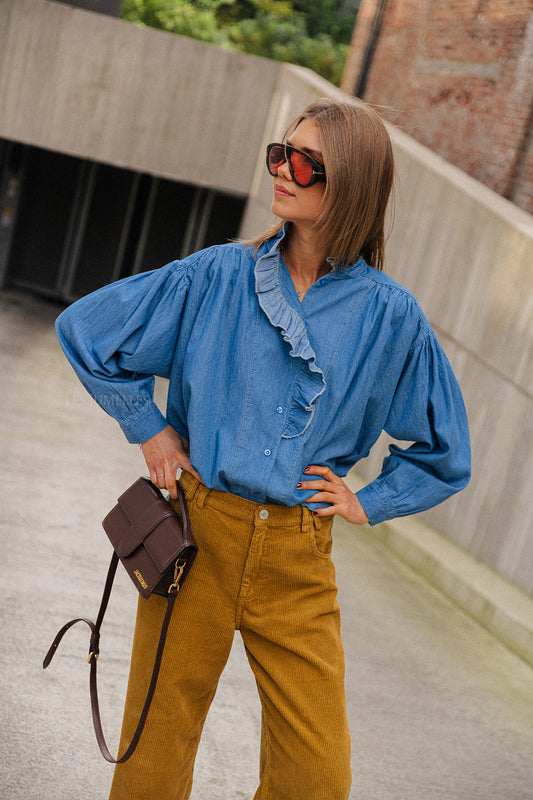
280,191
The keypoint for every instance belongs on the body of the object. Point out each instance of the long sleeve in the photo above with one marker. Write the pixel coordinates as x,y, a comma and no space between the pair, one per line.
235,376
428,410
119,337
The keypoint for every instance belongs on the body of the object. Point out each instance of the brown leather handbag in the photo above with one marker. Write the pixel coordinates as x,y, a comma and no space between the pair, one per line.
157,549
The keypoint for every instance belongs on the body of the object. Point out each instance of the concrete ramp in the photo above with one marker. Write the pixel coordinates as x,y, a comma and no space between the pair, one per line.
439,708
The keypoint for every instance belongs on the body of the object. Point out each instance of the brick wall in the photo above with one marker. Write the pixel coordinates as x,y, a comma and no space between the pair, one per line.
458,76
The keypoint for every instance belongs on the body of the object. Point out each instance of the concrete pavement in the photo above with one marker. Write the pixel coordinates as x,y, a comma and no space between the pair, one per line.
439,708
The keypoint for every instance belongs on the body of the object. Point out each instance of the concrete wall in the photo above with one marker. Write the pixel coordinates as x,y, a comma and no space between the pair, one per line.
89,85
467,254
104,89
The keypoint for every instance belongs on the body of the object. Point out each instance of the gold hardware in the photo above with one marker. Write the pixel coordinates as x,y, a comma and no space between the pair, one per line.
92,655
179,568
140,579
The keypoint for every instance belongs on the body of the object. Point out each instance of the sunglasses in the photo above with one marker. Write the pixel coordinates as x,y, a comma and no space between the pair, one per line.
304,170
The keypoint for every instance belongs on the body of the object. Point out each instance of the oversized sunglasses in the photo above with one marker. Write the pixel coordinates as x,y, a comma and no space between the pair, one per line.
304,170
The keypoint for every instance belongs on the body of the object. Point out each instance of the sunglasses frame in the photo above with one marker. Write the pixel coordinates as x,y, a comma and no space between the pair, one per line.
318,169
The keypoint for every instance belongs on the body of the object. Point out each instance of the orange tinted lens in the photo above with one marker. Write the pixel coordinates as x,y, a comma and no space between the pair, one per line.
276,157
302,167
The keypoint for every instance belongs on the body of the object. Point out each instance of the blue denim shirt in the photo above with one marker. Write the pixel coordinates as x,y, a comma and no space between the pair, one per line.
262,385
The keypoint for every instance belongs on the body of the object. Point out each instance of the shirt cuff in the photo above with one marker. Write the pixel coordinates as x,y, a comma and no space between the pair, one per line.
376,503
142,427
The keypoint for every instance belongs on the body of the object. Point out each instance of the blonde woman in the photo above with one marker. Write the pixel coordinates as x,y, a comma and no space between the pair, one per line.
286,358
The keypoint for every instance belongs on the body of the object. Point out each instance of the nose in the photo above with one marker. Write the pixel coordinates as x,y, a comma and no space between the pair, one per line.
286,171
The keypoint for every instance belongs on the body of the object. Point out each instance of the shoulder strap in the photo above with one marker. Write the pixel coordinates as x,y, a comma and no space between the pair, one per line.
93,659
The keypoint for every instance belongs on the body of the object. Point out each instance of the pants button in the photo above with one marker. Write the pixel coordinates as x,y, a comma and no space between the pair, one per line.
263,514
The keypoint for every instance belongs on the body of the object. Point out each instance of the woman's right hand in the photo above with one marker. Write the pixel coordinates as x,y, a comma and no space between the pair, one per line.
165,453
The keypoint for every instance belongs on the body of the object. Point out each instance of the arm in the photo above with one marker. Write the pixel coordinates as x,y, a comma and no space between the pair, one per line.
427,408
119,337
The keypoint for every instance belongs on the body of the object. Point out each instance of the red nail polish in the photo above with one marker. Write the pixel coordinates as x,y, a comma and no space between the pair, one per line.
306,469
315,513
299,485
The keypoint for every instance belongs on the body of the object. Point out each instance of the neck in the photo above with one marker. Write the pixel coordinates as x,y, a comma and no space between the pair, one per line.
304,257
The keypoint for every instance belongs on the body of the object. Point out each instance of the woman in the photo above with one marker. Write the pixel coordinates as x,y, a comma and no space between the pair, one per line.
286,358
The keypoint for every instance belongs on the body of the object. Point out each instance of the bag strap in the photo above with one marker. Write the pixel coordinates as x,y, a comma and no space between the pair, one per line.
93,661
94,652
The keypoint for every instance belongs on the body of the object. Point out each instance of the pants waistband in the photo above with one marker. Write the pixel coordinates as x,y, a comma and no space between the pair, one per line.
228,503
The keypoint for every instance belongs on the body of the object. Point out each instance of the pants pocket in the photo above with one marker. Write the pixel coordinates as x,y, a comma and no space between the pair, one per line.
321,539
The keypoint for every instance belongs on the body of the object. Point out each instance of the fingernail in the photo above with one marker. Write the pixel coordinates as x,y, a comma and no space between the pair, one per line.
307,469
299,485
315,513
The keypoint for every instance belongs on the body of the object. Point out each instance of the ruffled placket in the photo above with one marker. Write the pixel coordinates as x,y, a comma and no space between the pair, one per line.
310,381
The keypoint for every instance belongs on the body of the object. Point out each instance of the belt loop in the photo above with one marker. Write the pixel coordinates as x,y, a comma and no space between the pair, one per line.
200,494
194,490
307,516
316,522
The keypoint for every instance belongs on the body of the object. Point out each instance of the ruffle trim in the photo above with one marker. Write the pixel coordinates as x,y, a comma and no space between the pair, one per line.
310,382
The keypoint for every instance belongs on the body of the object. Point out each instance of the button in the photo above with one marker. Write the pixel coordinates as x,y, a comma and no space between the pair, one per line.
263,514
279,410
268,452
322,281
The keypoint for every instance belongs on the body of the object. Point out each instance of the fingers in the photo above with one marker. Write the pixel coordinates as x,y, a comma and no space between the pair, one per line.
325,472
337,501
316,486
164,477
328,482
165,454
330,488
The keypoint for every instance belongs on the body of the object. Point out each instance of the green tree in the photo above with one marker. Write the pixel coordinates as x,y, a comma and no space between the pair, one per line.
311,33
197,20
333,17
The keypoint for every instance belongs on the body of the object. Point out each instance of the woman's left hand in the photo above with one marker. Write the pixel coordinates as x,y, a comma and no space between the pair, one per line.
332,489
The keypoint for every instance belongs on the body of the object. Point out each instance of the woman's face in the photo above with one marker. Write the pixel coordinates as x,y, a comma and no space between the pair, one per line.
292,202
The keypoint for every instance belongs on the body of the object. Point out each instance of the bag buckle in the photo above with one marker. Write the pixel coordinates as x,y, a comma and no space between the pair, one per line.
94,646
179,568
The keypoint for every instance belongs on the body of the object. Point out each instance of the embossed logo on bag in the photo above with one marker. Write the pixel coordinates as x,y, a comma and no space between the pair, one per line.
140,579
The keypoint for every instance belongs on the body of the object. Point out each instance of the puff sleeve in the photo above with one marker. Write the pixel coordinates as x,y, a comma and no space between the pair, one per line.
427,409
119,337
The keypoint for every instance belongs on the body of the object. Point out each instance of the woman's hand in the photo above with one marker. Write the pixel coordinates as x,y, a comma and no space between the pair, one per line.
332,489
165,453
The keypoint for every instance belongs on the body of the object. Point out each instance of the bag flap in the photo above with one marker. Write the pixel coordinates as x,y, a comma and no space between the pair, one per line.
139,511
144,527
165,544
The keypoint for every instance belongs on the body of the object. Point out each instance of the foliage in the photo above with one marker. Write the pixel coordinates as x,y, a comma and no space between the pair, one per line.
197,20
311,33
328,16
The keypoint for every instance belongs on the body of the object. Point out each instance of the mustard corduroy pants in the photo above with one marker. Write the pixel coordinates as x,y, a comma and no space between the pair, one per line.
266,571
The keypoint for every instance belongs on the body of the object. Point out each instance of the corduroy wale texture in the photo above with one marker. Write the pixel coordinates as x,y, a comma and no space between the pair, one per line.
265,570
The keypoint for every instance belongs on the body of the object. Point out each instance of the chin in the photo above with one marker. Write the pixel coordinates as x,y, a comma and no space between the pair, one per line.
275,208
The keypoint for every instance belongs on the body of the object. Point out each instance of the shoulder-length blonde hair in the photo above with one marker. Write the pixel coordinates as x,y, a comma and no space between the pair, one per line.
359,166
